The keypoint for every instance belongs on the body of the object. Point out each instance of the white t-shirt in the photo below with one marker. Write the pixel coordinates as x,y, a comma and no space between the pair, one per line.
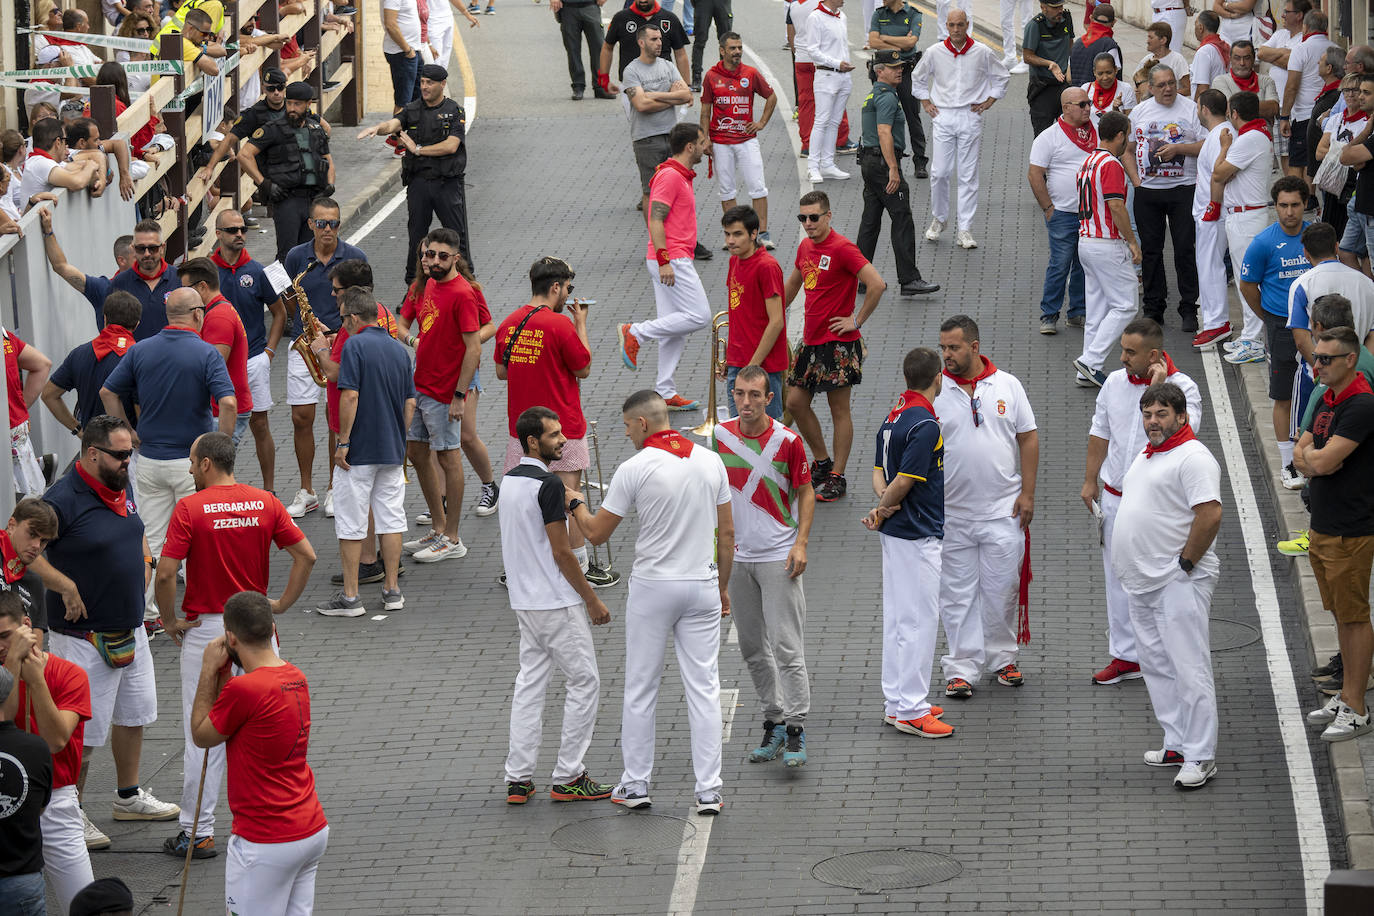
1206,160
36,170
1282,38
407,20
1238,29
1117,419
1207,66
1252,152
1124,91
440,15
1153,125
534,499
1307,54
1061,158
1173,60
15,192
82,55
982,459
801,11
1332,277
676,499
1156,513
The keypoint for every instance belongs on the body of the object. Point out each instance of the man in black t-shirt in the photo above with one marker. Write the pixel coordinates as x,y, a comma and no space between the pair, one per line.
623,33
1337,456
25,789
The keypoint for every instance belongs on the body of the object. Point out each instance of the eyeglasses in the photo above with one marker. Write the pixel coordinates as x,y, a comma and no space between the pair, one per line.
1083,104
147,249
276,88
1325,359
440,255
570,289
335,289
197,307
325,223
233,230
118,454
1103,21
809,217
977,405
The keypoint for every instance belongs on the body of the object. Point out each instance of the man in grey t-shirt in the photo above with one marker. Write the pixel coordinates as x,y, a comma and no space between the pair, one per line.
653,89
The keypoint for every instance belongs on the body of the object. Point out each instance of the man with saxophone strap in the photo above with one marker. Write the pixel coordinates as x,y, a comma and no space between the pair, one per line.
757,320
541,355
309,265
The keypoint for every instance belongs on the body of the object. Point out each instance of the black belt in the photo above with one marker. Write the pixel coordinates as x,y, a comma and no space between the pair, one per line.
877,151
831,69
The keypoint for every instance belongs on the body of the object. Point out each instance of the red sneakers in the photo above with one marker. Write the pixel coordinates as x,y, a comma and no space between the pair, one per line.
629,346
925,727
1116,672
678,402
1212,336
1009,676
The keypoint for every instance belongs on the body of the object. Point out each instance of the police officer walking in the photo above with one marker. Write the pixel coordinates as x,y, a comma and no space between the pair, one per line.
431,133
298,167
896,26
880,153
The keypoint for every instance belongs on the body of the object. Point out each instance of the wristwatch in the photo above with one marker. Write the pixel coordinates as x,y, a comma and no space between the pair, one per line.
1185,564
572,506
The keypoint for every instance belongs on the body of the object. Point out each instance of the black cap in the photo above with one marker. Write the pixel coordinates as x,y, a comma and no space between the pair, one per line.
273,77
1052,2
434,72
887,58
106,895
300,91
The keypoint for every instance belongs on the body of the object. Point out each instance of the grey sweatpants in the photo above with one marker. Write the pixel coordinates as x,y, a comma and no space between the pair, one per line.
769,608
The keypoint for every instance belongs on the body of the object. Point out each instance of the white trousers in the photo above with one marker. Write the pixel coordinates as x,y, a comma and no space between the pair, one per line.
1011,29
442,41
1120,633
1178,20
1241,229
161,484
682,309
560,638
192,655
739,163
956,137
979,579
831,91
942,13
273,879
1109,285
911,573
1175,657
689,611
1211,273
28,473
66,863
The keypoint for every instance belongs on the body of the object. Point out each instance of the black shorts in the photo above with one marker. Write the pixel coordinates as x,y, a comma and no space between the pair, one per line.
1297,144
1283,356
829,366
650,152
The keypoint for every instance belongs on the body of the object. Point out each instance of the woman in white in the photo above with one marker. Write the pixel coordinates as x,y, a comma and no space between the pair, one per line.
1174,14
1157,42
1107,92
137,25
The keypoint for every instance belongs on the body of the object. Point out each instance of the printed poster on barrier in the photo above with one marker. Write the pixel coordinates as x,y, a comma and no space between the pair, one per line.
212,106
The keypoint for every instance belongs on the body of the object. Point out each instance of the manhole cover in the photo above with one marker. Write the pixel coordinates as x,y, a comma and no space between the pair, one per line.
1231,634
879,870
622,834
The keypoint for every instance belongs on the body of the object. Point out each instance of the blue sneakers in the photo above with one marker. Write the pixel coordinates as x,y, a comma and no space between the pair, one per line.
771,745
795,754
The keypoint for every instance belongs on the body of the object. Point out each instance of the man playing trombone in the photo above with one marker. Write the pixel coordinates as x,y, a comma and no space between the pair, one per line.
758,325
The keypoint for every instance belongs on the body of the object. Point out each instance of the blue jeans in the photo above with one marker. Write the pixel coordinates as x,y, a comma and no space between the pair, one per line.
405,77
240,427
774,385
23,895
1064,265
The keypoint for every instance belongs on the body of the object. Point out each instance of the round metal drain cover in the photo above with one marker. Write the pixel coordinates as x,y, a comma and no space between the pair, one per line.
1231,634
622,834
879,870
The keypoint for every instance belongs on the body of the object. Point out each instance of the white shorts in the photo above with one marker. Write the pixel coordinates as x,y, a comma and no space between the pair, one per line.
260,381
119,696
300,387
273,879
379,487
739,159
66,863
28,473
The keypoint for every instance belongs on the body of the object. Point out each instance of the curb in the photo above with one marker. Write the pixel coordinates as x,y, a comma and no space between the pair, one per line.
372,192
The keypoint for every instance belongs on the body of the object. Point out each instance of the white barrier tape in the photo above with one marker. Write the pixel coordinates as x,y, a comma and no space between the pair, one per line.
65,90
89,71
117,42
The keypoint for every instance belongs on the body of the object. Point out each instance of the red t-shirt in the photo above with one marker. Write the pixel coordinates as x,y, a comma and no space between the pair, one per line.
446,312
751,281
331,390
541,368
14,382
224,534
672,185
830,277
266,716
411,302
222,327
71,690
730,93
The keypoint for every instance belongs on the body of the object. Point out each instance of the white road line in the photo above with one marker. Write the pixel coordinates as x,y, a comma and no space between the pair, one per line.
1307,806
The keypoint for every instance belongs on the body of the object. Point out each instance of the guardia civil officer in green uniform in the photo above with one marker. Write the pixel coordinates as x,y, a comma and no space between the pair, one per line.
289,160
881,151
431,133
896,26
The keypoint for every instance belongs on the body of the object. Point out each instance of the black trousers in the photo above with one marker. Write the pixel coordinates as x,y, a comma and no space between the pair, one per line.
288,219
1153,209
426,197
706,12
1044,105
898,206
579,23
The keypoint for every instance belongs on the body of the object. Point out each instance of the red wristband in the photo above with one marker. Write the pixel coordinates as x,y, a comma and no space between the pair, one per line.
662,256
1213,212
604,81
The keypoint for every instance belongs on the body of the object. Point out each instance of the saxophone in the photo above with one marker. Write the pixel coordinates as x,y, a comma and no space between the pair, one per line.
308,333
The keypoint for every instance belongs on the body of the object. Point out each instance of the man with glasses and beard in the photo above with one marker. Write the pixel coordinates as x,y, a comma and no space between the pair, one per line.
150,278
298,167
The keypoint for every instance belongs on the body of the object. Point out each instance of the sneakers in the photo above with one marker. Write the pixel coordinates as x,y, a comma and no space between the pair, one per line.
517,793
410,548
919,288
1020,68
925,727
847,148
934,229
964,239
1116,672
486,503
795,754
600,578
342,606
1163,758
1088,376
766,241
1212,336
709,804
95,837
1247,351
1326,713
1075,321
368,574
204,847
814,177
424,519
441,549
1297,547
822,469
580,789
143,807
1188,322
958,688
1333,685
678,402
629,346
936,711
1348,724
1009,676
771,745
393,600
1049,326
829,171
1291,479
632,795
304,502
1196,773
832,488
329,503
1334,667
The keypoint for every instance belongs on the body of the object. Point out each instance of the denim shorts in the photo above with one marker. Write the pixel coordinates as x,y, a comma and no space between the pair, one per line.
1359,232
431,424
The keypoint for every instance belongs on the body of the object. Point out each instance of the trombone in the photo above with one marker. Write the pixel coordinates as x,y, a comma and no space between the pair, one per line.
707,429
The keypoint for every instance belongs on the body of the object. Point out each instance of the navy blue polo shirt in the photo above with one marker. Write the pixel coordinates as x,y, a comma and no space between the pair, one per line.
316,283
376,365
247,288
910,445
81,372
154,317
99,550
173,376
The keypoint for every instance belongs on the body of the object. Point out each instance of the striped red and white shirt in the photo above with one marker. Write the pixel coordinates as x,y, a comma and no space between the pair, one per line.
1102,177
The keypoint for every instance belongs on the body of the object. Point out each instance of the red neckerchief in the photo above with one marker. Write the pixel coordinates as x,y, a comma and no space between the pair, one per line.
1184,434
670,441
968,46
821,7
1095,31
644,16
1307,35
1169,369
14,567
1334,84
112,338
1222,47
181,327
908,400
1246,84
1352,114
243,259
1358,385
1085,137
988,369
41,152
162,268
1102,98
671,163
114,500
54,40
1258,124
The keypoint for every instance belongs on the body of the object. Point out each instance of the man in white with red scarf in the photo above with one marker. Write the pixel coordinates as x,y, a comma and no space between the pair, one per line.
1169,516
825,39
1209,63
992,455
1210,234
1055,158
957,80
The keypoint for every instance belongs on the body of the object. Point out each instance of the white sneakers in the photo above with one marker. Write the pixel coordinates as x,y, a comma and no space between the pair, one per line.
329,503
964,239
143,807
828,171
1195,774
1291,478
934,229
95,837
410,548
304,502
1345,723
441,548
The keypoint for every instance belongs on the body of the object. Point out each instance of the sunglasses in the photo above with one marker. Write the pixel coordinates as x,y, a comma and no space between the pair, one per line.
143,31
118,454
1325,359
977,405
325,223
147,249
440,255
276,88
1084,104
809,217
233,230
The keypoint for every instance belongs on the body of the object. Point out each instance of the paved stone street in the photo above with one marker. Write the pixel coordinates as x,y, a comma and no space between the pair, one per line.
1040,799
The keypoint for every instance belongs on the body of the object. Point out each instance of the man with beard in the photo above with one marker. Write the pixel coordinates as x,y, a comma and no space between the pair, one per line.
265,110
149,280
727,114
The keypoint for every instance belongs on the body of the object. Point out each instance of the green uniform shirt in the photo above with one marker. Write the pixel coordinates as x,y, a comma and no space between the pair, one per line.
1052,41
881,106
1363,362
906,21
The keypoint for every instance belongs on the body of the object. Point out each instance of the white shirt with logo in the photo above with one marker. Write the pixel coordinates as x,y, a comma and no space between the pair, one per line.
982,458
1152,126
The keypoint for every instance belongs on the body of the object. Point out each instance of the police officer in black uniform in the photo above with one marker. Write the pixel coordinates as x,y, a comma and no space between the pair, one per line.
431,133
881,150
297,166
265,110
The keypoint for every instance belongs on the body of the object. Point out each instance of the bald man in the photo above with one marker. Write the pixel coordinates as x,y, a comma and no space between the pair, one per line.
1055,157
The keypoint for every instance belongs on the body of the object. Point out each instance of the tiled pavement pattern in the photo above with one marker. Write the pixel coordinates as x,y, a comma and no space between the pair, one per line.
1040,795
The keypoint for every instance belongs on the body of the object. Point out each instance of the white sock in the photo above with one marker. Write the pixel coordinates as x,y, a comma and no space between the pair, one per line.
1285,453
581,554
